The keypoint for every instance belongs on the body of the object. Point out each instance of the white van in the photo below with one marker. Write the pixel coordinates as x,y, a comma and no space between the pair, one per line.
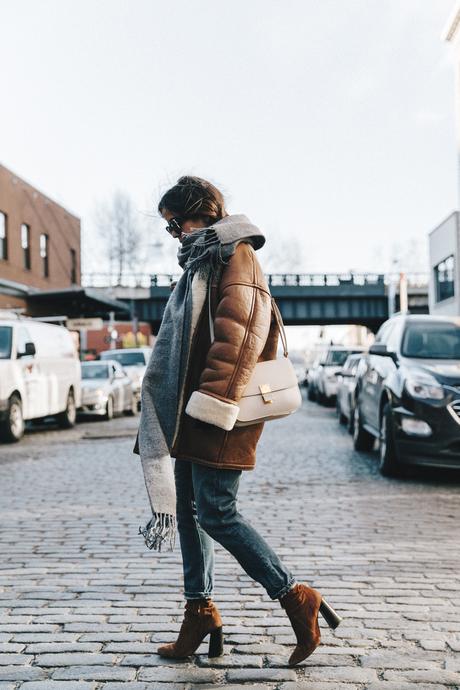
40,374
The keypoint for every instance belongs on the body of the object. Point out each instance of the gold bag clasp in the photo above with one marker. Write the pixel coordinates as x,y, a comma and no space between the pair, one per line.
265,390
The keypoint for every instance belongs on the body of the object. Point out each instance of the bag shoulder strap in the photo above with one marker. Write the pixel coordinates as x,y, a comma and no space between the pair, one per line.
275,310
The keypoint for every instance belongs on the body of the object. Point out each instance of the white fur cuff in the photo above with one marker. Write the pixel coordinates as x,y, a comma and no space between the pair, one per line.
208,409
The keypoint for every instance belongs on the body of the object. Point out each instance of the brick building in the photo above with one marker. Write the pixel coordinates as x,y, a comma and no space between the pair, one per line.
39,242
40,269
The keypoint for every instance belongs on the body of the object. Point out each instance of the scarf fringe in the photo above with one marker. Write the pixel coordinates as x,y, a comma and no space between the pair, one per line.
160,528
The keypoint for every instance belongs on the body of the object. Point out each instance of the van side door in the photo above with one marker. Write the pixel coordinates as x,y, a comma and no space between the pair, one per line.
34,403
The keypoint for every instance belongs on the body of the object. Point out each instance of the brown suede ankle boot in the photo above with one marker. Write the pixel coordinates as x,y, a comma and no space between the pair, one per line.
201,617
301,604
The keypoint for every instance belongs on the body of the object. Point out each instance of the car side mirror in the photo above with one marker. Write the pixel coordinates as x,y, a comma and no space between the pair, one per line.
29,350
381,350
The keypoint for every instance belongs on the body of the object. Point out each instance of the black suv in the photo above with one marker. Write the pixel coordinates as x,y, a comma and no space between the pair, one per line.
408,393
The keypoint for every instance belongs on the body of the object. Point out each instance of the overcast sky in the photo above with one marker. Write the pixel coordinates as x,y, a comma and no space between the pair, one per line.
329,123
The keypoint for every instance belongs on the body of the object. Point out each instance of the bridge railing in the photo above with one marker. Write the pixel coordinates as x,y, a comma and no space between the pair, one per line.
127,280
324,279
147,280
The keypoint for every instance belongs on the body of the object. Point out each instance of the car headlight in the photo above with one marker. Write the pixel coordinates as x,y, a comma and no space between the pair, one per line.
415,427
424,386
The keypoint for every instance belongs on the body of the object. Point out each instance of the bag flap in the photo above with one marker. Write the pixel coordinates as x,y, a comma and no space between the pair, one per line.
277,373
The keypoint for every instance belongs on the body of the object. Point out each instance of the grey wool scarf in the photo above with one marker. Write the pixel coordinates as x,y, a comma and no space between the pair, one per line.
203,253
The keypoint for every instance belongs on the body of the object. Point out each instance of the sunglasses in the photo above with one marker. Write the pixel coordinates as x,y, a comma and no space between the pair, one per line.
174,228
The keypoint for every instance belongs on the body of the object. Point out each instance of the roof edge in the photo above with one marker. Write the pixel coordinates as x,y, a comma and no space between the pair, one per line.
39,191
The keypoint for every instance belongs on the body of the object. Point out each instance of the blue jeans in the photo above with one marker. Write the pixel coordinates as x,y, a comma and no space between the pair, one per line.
206,511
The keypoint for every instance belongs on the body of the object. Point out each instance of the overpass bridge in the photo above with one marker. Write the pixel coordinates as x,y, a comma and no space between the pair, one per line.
303,298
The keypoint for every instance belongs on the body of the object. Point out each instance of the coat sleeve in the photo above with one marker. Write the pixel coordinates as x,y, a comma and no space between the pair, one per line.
241,326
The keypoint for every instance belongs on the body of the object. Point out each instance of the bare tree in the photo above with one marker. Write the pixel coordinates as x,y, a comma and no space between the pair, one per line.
120,228
410,255
283,256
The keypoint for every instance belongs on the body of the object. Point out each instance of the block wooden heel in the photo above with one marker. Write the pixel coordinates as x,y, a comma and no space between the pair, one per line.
216,642
331,617
201,617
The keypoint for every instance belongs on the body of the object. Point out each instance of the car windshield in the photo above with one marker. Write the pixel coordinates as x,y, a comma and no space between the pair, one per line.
440,340
94,371
126,359
5,342
337,357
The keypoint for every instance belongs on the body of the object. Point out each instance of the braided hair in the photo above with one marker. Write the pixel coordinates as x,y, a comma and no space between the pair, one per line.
193,198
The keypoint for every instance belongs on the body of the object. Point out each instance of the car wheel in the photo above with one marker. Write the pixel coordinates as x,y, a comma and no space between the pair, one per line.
12,428
338,411
350,424
311,393
362,439
388,460
67,419
109,408
321,398
132,410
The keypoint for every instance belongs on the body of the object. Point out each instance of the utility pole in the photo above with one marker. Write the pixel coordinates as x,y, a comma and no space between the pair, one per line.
403,297
392,289
135,322
112,331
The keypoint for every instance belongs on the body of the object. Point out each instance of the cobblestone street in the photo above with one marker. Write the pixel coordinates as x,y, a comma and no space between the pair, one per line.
85,604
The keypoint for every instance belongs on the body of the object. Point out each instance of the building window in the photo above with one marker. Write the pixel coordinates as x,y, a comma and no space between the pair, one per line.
73,266
444,279
25,244
3,236
44,254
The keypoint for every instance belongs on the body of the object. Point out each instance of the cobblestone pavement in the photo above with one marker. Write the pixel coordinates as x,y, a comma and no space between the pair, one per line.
85,603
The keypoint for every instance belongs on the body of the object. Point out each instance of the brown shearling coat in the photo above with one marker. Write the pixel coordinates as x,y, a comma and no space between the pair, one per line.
245,332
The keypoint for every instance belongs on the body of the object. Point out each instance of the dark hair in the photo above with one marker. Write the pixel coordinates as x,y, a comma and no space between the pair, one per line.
193,198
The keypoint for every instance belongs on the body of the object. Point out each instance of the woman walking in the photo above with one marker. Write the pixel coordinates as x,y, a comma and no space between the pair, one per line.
190,396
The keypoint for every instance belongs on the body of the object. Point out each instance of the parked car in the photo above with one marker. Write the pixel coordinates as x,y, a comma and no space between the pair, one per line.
346,388
330,362
106,390
134,360
408,393
39,374
311,377
298,362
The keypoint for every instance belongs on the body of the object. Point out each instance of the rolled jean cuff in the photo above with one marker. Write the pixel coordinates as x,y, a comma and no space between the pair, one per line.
285,589
197,595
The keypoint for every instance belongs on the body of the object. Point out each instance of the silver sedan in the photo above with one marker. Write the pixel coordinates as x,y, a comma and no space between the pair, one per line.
106,390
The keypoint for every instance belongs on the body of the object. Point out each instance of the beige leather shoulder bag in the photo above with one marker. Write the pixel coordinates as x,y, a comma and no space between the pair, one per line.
272,391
